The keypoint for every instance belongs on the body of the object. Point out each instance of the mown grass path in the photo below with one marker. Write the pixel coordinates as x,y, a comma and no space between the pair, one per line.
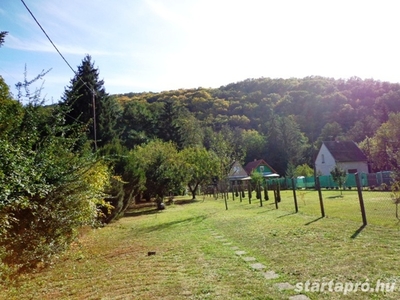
191,263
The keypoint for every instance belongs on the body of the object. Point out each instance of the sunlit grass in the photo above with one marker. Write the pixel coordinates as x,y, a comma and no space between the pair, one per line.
191,263
379,206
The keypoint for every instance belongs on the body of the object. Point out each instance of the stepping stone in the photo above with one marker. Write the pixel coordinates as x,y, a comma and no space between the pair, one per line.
249,258
235,248
284,286
270,275
299,297
223,240
186,293
219,237
240,252
258,266
227,244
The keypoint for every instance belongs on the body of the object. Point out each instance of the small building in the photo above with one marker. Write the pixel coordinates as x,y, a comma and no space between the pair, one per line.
262,167
346,154
238,173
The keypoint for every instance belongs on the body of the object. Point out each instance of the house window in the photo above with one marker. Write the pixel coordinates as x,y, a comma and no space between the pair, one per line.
261,169
323,158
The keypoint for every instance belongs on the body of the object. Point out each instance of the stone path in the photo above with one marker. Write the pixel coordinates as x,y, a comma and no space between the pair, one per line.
268,275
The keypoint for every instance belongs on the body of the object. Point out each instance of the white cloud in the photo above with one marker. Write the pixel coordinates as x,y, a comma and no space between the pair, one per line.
44,45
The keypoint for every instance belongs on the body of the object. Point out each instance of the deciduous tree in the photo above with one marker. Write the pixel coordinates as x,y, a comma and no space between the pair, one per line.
200,165
160,168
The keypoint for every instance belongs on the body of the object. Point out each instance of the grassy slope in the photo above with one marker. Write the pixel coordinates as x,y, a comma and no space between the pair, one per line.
190,263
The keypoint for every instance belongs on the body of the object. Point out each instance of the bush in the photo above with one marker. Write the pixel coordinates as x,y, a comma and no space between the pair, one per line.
49,187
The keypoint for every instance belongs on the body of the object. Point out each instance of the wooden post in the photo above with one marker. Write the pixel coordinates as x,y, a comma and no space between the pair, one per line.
275,196
249,189
226,202
266,198
278,191
321,202
233,190
361,199
240,190
294,196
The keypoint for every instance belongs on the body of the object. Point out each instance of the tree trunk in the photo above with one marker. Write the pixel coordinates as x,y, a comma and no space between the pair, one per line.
193,190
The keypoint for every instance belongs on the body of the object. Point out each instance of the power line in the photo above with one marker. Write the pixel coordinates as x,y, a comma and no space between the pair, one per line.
55,47
9,74
76,74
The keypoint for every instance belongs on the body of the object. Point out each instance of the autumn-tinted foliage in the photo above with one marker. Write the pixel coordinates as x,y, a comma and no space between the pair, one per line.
291,116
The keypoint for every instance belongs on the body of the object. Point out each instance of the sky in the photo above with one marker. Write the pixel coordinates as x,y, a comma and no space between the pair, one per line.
159,45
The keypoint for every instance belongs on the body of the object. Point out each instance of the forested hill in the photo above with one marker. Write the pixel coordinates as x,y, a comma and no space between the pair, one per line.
286,112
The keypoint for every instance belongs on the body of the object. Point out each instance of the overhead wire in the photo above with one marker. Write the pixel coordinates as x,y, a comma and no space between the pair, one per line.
76,74
55,47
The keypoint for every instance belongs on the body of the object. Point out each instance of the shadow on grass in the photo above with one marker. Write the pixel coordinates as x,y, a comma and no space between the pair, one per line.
358,231
289,214
315,220
187,201
166,225
141,212
334,197
151,209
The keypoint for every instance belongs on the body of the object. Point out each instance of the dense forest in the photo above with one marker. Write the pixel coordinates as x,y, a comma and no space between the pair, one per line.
282,121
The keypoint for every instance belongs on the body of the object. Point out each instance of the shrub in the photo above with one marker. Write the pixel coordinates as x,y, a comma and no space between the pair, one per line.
49,187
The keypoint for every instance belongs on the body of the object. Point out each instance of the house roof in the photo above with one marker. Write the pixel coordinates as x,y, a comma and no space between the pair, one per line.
345,151
255,163
237,171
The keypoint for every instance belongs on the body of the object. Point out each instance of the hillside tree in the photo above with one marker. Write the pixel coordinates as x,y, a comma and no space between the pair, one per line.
201,166
160,168
89,104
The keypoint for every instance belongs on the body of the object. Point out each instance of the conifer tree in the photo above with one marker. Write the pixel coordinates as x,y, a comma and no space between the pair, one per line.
168,125
90,104
2,36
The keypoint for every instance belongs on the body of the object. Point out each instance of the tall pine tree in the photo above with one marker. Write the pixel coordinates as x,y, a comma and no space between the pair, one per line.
90,104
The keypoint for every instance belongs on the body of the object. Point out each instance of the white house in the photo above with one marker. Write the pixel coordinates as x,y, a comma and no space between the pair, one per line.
345,154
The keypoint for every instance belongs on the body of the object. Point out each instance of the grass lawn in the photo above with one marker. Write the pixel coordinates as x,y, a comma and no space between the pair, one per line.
195,245
379,207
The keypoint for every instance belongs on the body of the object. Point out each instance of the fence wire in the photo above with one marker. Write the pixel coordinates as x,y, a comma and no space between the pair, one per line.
373,195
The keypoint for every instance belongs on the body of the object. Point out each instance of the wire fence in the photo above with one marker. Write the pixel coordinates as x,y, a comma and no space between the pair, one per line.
365,198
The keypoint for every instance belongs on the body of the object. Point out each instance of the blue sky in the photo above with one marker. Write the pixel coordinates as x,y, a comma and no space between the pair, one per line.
157,45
